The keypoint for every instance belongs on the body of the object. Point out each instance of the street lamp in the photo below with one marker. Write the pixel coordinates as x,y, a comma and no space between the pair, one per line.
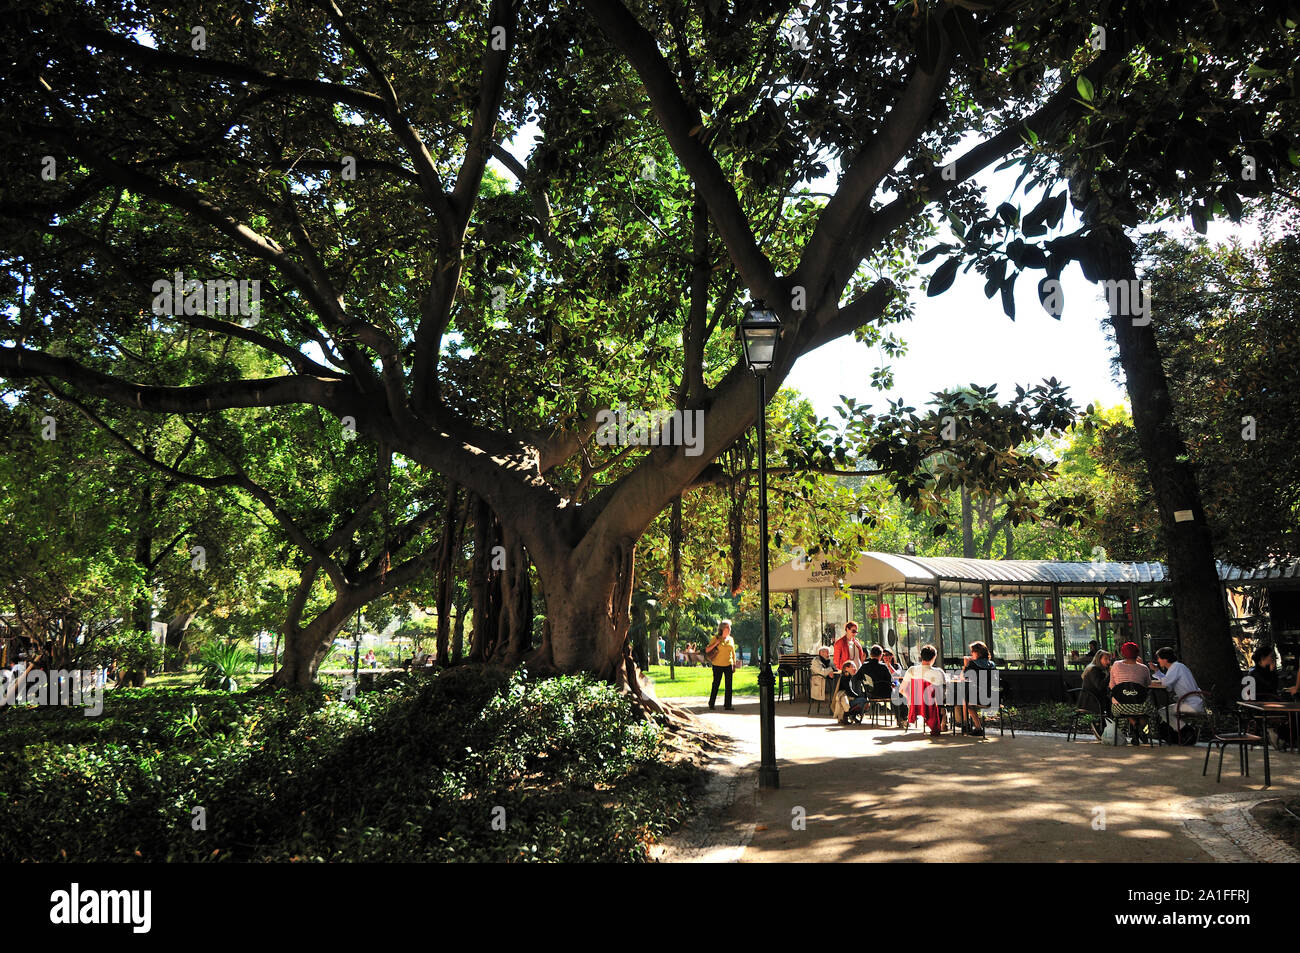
356,649
760,330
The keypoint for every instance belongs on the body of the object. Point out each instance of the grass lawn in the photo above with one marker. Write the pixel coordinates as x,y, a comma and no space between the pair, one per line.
696,680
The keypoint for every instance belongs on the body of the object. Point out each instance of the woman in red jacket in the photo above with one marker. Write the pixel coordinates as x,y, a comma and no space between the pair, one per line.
848,648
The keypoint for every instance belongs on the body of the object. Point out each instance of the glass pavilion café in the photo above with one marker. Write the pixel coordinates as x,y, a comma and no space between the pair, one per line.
1037,617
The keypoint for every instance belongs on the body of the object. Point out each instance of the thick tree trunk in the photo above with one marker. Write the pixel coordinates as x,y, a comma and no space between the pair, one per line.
306,650
448,546
967,526
588,614
458,631
515,597
177,627
142,607
483,597
1204,632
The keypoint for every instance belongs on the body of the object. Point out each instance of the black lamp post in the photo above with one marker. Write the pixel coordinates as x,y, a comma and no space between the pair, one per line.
760,331
356,649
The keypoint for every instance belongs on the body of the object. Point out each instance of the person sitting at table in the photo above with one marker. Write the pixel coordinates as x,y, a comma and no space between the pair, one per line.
1264,672
1096,679
888,660
922,689
882,679
821,663
848,648
853,683
1129,668
1177,679
881,676
1093,649
980,686
1267,689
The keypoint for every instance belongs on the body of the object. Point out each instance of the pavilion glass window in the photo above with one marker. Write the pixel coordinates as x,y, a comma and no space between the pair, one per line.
1028,621
962,619
1078,624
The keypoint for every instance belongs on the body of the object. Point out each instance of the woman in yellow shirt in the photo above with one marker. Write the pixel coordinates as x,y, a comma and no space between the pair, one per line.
721,653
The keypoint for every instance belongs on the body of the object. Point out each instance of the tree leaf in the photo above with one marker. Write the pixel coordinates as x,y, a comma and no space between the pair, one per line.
1085,88
1008,296
943,277
929,43
930,254
964,33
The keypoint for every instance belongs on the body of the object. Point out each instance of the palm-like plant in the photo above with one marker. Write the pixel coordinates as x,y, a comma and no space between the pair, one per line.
221,663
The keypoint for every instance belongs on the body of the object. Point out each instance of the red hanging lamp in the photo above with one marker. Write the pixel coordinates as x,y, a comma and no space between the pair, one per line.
1104,615
886,612
1047,607
977,606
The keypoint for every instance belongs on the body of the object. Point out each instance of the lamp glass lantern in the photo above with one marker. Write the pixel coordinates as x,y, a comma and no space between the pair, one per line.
760,330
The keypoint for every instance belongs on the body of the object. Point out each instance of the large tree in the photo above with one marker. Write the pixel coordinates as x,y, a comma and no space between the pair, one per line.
1225,319
338,153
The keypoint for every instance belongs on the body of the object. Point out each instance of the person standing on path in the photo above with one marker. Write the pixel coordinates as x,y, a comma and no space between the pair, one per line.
721,653
848,648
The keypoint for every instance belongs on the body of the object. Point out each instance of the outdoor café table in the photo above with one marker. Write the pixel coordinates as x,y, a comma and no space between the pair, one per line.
955,691
1265,711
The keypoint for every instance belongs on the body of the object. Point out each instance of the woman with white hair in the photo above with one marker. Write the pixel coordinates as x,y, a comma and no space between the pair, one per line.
821,663
823,667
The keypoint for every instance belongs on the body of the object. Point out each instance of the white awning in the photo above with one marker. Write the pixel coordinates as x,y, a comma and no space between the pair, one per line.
875,569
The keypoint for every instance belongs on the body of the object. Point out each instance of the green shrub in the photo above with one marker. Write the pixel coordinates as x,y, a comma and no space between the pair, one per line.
222,663
419,770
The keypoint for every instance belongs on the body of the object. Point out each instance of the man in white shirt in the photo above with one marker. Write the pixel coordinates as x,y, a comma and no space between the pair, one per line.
1176,678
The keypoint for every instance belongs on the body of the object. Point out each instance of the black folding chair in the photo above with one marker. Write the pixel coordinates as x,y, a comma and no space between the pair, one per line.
1087,705
1133,700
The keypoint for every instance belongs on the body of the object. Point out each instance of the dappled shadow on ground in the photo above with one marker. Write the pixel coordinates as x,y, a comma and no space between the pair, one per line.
864,793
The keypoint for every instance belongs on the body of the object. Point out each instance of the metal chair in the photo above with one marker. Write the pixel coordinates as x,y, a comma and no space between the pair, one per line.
1088,704
1243,741
1006,699
783,671
882,706
1133,700
1197,719
917,692
984,689
819,691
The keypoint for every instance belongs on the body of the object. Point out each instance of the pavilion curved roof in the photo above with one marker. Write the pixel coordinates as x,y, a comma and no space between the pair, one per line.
882,569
